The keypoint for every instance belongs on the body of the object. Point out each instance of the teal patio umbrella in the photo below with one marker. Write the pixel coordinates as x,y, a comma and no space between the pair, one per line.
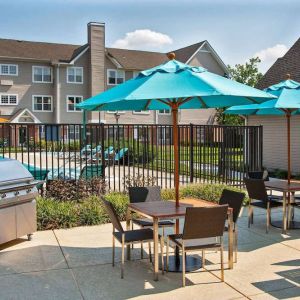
174,85
287,104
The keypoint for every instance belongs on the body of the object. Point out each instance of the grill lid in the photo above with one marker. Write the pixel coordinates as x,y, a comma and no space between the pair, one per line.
12,172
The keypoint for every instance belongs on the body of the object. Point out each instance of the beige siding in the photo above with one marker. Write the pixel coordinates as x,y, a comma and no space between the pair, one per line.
275,141
74,89
25,89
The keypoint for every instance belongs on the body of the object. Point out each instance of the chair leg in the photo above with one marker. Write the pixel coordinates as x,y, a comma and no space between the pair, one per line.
150,254
167,259
142,251
203,259
235,245
162,254
123,255
268,217
222,263
250,215
183,265
113,251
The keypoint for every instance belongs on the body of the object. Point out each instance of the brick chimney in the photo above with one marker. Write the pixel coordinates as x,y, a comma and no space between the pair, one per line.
96,41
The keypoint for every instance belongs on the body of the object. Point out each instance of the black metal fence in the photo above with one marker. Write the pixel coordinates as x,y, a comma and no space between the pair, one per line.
122,153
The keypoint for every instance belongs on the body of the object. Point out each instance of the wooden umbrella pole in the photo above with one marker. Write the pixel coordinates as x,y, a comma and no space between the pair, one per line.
176,156
288,116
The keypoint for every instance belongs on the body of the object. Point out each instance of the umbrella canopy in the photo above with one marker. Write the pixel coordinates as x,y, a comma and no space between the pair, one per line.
287,104
190,87
174,85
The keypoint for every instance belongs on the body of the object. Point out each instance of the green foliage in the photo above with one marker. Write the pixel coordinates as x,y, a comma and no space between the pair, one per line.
54,214
248,74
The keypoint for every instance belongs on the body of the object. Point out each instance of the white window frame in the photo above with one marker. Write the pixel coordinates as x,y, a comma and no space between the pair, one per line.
114,70
9,95
51,74
67,104
75,82
42,111
114,111
9,65
164,113
143,112
135,74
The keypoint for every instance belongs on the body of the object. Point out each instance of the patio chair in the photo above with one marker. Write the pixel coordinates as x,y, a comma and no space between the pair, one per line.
265,176
200,223
234,201
121,155
147,194
128,237
90,171
257,191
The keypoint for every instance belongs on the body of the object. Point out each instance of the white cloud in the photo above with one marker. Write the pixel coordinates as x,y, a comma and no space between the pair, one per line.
143,39
269,55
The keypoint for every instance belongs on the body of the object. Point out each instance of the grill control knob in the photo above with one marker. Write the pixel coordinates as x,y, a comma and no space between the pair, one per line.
28,191
3,195
17,193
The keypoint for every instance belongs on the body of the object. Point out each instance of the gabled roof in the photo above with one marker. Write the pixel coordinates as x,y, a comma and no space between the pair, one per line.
136,59
183,54
39,50
288,64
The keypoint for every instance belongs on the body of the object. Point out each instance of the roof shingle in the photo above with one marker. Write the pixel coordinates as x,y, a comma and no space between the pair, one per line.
288,64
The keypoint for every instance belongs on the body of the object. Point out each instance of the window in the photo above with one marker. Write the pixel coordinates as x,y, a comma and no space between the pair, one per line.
41,74
8,69
141,112
164,112
115,77
135,74
75,75
71,101
42,103
8,99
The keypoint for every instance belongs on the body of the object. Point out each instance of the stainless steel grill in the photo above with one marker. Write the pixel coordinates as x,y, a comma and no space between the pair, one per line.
17,201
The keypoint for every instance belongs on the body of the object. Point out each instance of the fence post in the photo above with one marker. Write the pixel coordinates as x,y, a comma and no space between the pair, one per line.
102,132
191,143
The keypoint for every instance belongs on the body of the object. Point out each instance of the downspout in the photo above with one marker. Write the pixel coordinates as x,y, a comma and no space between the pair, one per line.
57,96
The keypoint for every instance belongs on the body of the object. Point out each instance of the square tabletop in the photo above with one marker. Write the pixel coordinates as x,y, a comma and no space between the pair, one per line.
167,209
283,186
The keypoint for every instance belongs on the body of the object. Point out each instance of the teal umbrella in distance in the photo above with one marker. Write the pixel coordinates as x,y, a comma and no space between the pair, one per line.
174,85
287,104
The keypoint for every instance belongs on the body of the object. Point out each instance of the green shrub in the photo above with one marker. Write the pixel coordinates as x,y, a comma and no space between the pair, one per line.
54,214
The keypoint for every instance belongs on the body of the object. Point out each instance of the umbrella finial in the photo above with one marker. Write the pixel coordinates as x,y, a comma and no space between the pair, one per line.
288,76
171,55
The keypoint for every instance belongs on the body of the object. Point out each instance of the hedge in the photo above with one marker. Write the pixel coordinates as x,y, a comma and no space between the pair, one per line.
54,214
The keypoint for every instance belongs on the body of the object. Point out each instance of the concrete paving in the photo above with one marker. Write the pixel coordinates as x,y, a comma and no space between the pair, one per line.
76,264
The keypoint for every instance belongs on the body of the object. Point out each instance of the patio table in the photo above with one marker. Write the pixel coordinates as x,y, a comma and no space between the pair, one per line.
286,188
161,210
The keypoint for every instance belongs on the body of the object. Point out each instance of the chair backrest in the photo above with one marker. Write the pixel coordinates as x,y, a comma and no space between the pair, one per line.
204,222
90,171
144,194
112,214
259,175
234,200
119,155
256,189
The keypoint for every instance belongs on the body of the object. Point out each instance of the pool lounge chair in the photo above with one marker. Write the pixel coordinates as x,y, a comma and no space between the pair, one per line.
90,171
121,155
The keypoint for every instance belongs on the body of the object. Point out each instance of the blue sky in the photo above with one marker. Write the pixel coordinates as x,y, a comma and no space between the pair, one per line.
236,29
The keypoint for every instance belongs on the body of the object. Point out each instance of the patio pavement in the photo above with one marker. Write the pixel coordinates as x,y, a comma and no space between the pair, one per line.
76,264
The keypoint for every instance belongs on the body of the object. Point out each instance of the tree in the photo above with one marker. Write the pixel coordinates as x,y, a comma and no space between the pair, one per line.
247,74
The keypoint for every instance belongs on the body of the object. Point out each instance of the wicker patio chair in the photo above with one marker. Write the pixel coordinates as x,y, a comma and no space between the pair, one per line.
200,223
128,237
257,191
235,201
147,194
